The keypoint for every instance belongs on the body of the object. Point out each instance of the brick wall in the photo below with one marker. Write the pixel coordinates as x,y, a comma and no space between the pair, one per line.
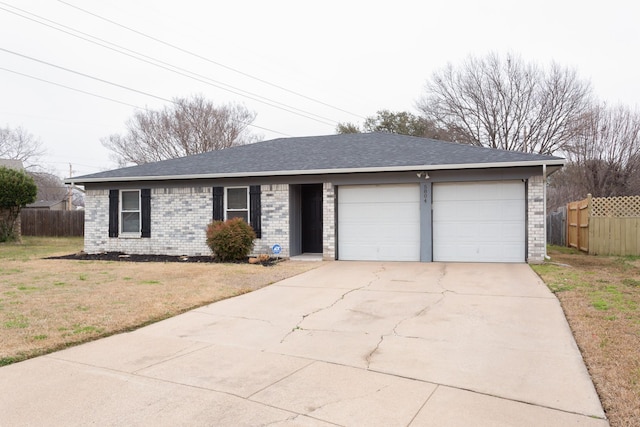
535,226
328,221
179,218
275,219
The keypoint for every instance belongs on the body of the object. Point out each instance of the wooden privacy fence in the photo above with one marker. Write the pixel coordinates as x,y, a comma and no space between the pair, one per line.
605,225
43,222
614,226
578,224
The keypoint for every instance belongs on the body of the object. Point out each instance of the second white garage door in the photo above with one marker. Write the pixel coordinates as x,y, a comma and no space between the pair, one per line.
479,221
379,222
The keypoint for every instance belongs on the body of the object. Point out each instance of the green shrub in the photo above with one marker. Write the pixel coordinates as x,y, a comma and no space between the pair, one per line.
230,240
17,189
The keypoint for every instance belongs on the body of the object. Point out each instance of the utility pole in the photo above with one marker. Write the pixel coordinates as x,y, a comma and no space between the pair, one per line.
70,191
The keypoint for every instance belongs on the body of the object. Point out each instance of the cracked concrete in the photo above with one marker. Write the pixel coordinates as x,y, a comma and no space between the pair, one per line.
298,326
349,343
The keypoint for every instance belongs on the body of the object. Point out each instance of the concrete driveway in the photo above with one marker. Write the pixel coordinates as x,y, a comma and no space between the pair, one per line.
349,343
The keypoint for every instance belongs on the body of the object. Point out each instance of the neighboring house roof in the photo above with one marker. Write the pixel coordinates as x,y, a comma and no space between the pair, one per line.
343,153
12,164
44,204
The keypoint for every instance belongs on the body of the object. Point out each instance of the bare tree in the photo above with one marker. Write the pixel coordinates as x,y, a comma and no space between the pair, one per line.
18,144
188,126
606,153
506,103
50,186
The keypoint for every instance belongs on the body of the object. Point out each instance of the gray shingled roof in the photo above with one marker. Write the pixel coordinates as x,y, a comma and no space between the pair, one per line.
325,154
44,204
12,164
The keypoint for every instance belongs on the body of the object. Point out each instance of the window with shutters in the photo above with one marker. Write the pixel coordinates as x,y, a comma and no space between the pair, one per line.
237,203
130,213
130,223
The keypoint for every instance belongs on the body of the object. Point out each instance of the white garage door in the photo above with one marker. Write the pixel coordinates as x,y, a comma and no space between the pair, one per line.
379,222
479,222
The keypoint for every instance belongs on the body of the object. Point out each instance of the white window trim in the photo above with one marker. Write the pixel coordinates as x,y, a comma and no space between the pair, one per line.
226,198
130,235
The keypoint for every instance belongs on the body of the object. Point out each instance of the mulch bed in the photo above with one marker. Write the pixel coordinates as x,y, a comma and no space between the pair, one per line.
120,256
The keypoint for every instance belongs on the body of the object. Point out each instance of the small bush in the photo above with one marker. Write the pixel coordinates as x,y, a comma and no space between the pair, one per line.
231,240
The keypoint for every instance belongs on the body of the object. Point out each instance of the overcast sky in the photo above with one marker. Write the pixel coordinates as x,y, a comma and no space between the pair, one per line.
339,61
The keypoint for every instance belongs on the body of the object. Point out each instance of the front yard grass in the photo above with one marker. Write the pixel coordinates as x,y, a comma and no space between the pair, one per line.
47,305
600,297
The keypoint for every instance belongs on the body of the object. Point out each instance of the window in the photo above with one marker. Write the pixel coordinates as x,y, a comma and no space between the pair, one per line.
233,202
130,211
237,203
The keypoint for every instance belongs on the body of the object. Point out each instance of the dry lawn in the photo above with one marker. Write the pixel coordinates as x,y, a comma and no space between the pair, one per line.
47,305
601,300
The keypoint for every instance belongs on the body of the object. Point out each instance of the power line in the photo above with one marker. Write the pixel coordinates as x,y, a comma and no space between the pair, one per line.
235,70
86,75
199,78
107,82
70,88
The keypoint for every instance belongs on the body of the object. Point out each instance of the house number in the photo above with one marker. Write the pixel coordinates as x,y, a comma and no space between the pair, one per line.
425,192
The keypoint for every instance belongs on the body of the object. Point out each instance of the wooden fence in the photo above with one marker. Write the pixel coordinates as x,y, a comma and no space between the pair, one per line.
614,226
43,222
578,224
605,225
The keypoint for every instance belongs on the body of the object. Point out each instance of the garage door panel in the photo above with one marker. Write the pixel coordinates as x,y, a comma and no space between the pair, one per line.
479,191
382,193
512,209
366,233
388,213
368,252
379,222
511,232
483,233
480,210
489,252
479,222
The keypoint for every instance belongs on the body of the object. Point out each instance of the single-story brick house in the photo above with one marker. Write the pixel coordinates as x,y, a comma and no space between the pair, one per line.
369,196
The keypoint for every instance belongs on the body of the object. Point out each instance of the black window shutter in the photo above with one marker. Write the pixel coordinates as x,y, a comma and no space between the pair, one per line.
218,203
254,210
145,198
114,196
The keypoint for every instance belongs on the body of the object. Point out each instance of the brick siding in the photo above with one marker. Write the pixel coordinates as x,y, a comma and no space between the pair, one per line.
179,219
535,226
328,221
275,219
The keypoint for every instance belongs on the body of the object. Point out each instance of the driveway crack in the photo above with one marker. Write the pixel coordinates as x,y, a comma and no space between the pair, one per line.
311,410
298,326
375,350
427,307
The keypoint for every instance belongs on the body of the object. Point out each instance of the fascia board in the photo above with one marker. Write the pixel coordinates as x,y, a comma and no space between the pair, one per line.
555,162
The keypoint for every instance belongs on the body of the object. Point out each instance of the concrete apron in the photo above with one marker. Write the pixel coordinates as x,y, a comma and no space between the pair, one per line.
349,343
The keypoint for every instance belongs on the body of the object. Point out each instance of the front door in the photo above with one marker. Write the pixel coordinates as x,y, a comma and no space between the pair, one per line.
311,218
